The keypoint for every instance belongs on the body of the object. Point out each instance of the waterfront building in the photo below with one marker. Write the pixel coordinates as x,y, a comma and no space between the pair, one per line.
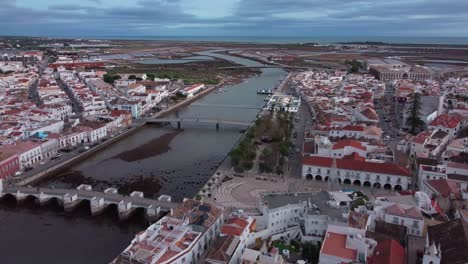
182,237
9,164
28,152
286,103
192,90
122,104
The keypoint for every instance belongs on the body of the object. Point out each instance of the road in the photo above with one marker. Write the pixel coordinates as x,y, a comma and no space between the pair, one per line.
75,104
303,119
388,121
33,92
64,156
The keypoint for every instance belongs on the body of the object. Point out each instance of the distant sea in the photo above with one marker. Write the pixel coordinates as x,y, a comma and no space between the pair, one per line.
284,40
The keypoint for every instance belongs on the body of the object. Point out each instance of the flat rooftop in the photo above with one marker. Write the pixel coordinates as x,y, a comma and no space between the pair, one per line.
317,199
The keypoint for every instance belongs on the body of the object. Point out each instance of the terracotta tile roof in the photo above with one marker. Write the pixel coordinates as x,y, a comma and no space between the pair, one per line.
349,143
234,226
354,156
353,128
421,137
444,187
388,252
404,211
219,250
335,245
447,120
453,239
457,165
356,165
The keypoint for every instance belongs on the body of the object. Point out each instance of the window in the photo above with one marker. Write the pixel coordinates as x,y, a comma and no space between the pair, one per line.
395,220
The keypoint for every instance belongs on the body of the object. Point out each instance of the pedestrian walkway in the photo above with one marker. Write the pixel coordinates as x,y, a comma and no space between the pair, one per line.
223,195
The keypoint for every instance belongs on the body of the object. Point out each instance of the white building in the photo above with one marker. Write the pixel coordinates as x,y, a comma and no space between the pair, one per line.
192,90
307,213
181,238
346,245
356,172
401,214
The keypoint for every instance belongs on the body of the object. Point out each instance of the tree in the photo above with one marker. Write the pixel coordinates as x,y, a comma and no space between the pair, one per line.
150,76
132,77
310,252
354,65
108,78
415,119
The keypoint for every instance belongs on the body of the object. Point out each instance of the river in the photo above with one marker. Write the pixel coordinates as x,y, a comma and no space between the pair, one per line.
155,160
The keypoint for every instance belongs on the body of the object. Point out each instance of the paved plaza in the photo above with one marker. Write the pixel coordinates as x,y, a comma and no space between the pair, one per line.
242,191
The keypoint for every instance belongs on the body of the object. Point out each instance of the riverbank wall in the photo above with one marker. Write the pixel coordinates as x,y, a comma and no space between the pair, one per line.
54,170
61,167
185,102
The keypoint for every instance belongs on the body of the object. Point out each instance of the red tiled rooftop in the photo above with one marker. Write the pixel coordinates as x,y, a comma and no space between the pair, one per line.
234,226
356,165
444,187
399,210
388,252
421,137
353,128
335,245
348,143
447,120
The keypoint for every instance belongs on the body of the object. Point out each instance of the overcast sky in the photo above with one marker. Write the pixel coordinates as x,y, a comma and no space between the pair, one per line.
294,18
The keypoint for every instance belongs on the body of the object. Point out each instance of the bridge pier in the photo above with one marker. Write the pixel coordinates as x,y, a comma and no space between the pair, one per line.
137,194
20,197
97,206
111,191
43,198
125,210
70,201
152,213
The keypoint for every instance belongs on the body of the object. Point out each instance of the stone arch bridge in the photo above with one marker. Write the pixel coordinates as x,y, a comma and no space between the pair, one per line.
98,201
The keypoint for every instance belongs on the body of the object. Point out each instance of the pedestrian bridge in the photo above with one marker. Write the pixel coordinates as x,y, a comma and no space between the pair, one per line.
216,122
99,201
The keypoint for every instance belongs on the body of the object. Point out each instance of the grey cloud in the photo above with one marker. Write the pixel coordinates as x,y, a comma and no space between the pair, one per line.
250,17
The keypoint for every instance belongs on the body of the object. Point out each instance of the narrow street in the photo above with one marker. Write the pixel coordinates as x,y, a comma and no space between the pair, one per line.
75,105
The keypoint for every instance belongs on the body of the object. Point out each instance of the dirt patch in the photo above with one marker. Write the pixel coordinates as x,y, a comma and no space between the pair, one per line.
75,178
148,185
152,148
